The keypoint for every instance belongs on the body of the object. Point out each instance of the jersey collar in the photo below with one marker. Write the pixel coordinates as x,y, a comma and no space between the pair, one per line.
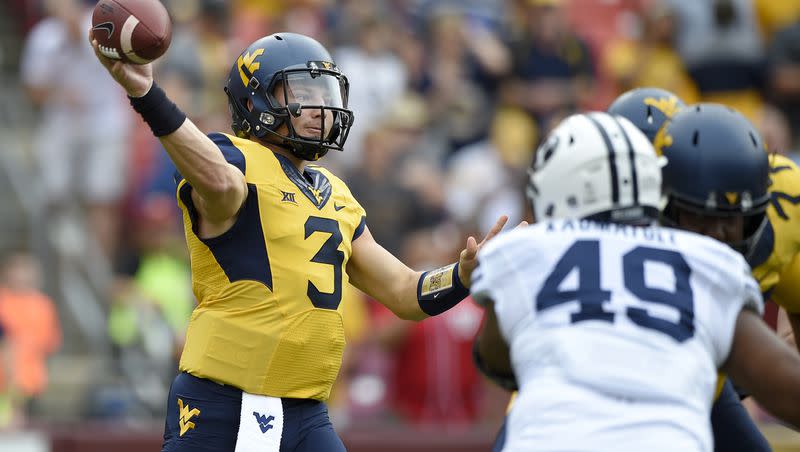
311,182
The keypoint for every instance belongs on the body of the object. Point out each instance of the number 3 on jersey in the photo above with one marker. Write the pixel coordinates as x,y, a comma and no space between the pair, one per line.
329,254
584,255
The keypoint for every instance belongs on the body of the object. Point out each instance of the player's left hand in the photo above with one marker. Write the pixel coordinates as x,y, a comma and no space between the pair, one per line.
468,259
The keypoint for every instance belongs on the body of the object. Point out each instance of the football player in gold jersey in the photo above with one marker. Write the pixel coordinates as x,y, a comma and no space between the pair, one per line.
773,252
719,181
273,240
770,242
732,426
776,255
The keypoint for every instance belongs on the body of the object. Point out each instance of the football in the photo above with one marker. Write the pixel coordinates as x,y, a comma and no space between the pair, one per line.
134,31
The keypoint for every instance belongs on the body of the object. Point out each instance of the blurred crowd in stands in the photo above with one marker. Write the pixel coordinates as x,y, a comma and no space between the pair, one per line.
451,99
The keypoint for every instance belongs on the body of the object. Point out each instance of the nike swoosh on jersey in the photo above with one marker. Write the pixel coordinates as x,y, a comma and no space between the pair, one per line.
337,207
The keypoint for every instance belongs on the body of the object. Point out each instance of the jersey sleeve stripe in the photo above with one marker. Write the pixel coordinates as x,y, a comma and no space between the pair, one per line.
184,193
360,229
232,154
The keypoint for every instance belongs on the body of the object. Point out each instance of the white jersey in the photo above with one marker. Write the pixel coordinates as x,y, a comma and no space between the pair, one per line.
616,332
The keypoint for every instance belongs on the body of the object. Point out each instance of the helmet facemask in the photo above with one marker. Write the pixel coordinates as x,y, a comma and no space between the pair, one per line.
291,99
754,220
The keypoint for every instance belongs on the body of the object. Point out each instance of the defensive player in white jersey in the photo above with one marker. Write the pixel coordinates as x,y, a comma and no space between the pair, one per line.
613,328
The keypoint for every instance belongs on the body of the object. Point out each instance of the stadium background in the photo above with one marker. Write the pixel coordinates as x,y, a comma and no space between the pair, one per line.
450,97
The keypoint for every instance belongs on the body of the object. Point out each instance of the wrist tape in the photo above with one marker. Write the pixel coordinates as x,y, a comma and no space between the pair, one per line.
439,290
161,114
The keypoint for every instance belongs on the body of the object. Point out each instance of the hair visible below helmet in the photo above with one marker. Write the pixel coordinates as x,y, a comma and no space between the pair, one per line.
647,108
716,165
287,61
596,166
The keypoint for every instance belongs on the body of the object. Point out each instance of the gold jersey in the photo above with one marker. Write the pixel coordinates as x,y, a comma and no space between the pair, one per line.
775,261
775,258
269,319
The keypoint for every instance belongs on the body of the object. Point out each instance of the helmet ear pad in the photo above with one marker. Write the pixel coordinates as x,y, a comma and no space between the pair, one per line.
269,119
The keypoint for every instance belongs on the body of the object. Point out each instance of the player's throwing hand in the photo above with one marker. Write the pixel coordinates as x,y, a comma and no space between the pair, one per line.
136,79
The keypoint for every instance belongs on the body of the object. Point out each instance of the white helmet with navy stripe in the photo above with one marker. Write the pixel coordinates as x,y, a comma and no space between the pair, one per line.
596,166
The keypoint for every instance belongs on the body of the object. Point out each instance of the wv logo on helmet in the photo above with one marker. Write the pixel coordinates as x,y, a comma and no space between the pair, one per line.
248,61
